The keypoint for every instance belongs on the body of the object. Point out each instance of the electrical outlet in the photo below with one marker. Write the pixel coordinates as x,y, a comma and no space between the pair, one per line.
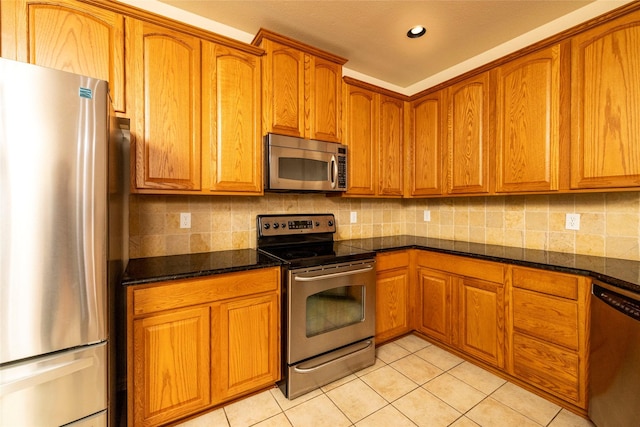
185,220
354,217
572,221
427,216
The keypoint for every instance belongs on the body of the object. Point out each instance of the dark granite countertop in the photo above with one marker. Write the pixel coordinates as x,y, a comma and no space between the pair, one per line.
173,267
618,272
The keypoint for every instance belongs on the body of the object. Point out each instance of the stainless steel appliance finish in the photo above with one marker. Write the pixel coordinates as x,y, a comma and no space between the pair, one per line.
328,300
294,164
614,385
62,251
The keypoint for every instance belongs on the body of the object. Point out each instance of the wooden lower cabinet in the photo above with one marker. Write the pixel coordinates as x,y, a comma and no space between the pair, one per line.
195,343
392,295
549,330
462,304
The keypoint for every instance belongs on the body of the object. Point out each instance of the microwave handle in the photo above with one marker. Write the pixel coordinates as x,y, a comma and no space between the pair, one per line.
333,171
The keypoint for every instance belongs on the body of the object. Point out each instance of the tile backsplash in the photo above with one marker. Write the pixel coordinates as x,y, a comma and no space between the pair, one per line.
609,223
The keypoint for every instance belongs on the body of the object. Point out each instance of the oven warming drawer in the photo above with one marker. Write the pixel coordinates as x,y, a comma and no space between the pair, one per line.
321,370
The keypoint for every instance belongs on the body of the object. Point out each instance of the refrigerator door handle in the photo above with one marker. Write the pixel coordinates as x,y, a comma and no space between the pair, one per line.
44,375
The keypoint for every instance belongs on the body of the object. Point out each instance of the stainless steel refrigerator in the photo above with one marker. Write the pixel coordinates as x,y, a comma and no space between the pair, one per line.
63,246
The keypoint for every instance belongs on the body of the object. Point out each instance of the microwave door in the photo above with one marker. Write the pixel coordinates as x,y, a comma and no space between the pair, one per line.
295,169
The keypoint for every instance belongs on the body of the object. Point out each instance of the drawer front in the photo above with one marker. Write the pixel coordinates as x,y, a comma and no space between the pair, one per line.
463,266
548,367
546,282
391,260
551,319
183,293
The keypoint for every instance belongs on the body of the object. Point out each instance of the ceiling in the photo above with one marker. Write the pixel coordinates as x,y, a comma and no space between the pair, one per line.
372,34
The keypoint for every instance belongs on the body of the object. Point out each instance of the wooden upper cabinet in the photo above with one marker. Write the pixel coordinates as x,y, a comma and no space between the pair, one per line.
361,135
529,109
232,141
302,89
468,136
424,153
373,131
163,72
390,146
68,36
605,114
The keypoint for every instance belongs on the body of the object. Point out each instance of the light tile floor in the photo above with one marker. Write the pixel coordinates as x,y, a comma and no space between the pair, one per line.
412,383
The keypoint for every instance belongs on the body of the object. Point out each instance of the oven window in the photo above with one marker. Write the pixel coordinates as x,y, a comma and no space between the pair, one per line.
334,308
298,169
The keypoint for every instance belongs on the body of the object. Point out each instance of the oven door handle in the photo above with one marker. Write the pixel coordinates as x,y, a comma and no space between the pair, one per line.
332,275
349,352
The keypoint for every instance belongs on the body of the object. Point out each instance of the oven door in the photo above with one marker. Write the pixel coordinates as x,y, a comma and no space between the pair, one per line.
329,307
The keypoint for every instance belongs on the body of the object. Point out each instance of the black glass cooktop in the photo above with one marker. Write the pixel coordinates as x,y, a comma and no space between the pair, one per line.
311,254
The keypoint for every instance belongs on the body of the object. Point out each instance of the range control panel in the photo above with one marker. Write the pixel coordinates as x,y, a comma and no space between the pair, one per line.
282,225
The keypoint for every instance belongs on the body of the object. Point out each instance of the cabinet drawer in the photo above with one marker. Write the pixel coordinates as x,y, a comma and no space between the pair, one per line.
182,293
546,282
463,266
391,260
550,319
546,366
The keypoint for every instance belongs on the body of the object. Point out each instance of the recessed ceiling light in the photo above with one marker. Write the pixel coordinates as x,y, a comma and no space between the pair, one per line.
417,31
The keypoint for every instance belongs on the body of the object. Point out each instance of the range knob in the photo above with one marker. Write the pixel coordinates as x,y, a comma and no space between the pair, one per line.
330,223
283,225
317,223
266,225
276,225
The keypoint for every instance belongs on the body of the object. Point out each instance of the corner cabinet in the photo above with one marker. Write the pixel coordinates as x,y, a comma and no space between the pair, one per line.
195,114
606,105
373,123
195,343
302,89
424,156
462,304
392,295
69,36
532,121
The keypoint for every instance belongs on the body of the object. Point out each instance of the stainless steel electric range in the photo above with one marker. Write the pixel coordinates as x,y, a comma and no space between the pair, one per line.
328,304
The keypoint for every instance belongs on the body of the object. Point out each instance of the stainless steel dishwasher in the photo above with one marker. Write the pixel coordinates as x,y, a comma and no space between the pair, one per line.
614,388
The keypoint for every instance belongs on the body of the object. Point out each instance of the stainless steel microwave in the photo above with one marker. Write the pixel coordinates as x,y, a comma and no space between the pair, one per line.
296,164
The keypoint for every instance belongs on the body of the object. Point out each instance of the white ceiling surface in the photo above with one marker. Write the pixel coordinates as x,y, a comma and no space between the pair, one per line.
461,34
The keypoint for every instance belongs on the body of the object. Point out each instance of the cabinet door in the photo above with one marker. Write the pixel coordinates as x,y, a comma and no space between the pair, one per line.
529,113
323,95
390,148
171,365
283,89
232,143
361,134
69,36
425,152
163,71
468,136
435,299
245,345
481,320
606,105
392,296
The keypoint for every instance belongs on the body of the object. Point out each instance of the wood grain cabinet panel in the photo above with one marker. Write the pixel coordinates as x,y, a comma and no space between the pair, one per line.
163,70
171,368
374,132
530,106
606,105
549,331
302,89
468,136
435,304
69,36
424,157
392,295
231,136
